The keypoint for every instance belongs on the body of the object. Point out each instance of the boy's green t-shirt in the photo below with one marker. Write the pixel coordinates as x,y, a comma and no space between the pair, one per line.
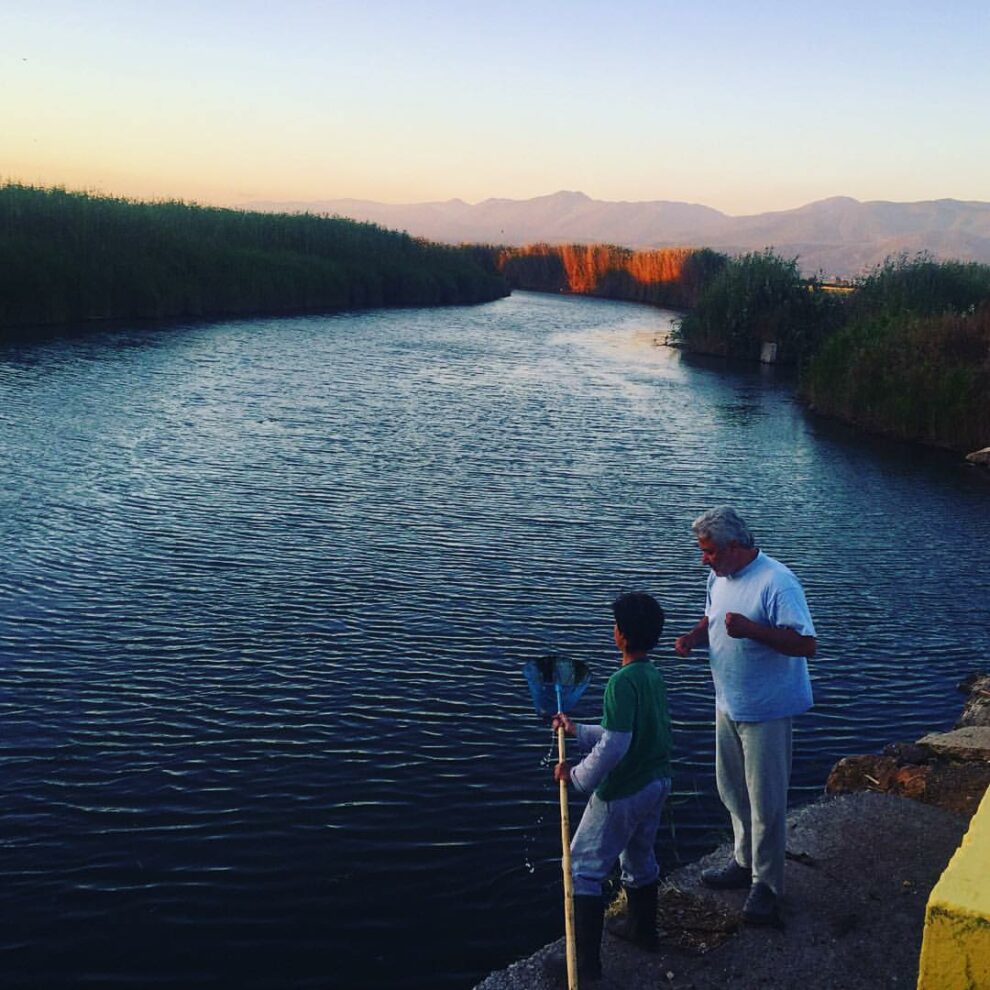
636,702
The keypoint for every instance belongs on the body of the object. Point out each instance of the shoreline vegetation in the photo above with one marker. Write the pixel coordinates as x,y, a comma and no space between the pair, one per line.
68,257
672,278
905,354
904,351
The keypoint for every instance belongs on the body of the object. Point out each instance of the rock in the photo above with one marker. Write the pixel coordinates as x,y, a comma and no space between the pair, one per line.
908,752
941,782
981,457
976,710
969,743
912,782
878,773
950,770
956,787
861,773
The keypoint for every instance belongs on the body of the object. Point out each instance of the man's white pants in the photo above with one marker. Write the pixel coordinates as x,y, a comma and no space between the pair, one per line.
753,770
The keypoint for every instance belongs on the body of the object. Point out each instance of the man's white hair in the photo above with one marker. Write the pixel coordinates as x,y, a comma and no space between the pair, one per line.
723,525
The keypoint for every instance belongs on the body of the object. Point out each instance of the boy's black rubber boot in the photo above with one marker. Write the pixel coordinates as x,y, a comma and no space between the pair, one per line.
732,876
639,925
589,914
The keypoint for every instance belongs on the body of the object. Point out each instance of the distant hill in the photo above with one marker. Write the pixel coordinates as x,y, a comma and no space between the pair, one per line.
839,236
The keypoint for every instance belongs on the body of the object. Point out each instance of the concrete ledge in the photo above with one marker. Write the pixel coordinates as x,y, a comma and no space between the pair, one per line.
858,875
955,951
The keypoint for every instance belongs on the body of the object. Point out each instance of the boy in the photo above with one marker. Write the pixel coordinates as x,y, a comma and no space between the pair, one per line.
627,774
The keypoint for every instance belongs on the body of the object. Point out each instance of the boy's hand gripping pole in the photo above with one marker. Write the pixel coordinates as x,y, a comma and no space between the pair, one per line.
565,862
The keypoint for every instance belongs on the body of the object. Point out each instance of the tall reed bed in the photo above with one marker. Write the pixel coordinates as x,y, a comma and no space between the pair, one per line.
760,298
70,256
672,277
907,353
913,359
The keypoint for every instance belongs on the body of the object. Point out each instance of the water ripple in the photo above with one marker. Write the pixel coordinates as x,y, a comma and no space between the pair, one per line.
268,586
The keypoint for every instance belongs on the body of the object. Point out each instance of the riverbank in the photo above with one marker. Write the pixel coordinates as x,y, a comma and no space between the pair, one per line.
860,868
900,353
904,355
859,871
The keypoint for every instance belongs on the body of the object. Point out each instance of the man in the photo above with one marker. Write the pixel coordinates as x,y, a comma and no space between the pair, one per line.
759,633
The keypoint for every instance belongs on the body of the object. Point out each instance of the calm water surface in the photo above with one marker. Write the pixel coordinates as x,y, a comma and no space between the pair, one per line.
267,588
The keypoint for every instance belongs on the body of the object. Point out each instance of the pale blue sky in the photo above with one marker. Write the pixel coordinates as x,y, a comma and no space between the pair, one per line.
742,109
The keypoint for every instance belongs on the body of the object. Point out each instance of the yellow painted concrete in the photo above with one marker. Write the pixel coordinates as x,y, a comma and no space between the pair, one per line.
955,952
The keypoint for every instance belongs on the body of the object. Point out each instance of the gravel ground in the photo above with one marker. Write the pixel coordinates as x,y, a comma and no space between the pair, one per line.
859,871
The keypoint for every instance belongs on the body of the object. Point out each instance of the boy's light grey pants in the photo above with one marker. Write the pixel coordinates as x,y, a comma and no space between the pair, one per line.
624,829
753,770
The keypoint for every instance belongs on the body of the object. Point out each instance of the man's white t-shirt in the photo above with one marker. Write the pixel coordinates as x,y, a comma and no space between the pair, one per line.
754,683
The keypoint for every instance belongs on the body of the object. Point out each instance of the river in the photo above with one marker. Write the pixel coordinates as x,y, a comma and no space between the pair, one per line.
268,585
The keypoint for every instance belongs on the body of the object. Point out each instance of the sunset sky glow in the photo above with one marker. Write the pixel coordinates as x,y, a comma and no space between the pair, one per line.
743,107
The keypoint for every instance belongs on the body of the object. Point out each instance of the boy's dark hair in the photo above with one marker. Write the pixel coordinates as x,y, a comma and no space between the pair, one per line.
639,618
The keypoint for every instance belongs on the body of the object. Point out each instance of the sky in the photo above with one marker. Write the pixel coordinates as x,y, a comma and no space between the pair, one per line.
742,106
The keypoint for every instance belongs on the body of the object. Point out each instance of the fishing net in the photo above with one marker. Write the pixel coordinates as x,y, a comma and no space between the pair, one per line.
556,683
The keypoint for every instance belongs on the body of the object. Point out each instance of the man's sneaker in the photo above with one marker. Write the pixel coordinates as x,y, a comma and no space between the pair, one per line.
732,876
761,906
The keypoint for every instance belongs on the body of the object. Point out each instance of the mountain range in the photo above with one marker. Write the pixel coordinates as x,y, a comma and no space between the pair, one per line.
837,236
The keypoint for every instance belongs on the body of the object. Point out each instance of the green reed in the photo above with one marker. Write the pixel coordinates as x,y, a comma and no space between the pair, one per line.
907,353
72,256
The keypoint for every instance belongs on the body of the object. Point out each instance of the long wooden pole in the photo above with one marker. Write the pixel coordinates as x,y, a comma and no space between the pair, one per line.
565,861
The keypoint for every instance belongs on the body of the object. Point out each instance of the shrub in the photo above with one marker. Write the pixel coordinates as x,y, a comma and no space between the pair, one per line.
759,298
